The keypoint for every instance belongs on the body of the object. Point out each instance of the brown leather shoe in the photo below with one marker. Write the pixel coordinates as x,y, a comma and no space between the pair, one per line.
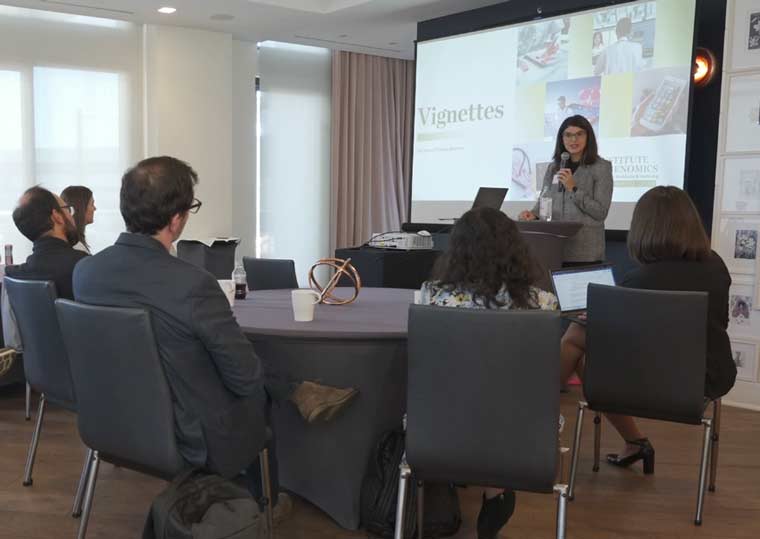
318,402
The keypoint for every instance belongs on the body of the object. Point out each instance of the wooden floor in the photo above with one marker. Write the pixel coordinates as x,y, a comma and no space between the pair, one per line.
610,504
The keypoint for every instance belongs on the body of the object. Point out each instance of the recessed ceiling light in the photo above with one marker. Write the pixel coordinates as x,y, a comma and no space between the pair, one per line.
167,10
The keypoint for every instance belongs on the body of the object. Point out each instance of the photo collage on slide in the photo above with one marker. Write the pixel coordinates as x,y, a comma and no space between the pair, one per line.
612,67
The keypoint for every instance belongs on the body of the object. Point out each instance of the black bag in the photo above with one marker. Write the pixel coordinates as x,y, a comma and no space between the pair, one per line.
380,495
198,505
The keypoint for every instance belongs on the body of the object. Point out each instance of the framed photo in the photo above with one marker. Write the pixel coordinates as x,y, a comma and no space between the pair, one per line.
745,46
741,185
738,244
745,356
743,313
743,123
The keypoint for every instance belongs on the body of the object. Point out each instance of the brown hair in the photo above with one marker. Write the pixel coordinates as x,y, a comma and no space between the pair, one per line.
666,226
590,154
78,197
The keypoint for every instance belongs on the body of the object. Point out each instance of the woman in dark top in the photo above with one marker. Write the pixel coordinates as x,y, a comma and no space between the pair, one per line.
669,242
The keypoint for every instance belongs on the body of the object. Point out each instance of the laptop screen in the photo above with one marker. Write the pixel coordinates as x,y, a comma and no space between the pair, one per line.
571,286
492,197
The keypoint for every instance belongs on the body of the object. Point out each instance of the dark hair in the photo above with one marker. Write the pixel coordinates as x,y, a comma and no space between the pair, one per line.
78,197
486,252
666,226
590,154
32,216
624,27
154,191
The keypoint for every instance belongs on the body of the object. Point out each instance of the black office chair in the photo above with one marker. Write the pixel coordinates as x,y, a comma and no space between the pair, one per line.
646,357
125,405
270,273
46,364
482,402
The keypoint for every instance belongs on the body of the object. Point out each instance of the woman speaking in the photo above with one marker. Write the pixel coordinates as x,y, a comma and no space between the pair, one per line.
582,191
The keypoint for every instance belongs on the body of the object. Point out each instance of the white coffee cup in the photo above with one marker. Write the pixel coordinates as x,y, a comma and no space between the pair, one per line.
303,304
417,297
228,287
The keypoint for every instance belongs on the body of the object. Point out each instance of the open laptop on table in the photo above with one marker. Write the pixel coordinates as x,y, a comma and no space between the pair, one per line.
571,288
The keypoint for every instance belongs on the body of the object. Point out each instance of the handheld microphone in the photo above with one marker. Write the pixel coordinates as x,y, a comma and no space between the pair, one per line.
564,158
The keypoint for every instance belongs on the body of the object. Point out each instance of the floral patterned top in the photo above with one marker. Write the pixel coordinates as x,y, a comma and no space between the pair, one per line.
432,294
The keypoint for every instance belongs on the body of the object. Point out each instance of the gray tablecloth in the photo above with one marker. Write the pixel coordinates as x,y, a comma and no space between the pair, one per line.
360,345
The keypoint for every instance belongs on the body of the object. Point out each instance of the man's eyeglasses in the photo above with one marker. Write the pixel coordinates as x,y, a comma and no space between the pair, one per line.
578,135
195,206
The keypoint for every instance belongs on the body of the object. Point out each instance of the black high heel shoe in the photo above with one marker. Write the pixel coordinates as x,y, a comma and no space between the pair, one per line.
495,513
645,453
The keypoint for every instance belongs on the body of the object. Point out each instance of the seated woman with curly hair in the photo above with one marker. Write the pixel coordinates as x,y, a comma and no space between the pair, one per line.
487,266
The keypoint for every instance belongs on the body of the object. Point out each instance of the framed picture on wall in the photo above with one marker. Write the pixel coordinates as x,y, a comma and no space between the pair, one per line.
745,356
741,185
745,47
743,123
738,244
743,313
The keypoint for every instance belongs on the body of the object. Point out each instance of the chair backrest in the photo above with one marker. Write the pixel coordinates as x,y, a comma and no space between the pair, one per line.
483,396
46,364
646,353
125,404
270,273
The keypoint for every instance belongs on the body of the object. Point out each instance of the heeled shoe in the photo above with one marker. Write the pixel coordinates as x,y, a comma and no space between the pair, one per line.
645,453
495,513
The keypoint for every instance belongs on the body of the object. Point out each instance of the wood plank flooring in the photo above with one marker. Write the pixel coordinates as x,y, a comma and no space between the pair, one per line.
611,504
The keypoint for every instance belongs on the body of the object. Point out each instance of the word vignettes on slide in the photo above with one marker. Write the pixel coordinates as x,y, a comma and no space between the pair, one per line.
431,116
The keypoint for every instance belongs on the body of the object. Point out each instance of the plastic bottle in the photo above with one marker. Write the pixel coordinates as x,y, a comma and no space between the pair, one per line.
241,281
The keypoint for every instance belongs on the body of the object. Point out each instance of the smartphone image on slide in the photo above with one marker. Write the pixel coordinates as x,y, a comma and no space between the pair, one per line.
660,108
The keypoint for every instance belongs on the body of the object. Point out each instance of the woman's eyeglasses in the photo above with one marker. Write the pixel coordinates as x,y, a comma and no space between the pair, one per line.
195,206
578,135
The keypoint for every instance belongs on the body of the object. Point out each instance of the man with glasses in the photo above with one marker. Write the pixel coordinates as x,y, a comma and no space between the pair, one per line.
45,220
219,386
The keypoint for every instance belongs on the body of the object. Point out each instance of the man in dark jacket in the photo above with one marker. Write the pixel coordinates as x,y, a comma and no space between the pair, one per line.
219,391
45,220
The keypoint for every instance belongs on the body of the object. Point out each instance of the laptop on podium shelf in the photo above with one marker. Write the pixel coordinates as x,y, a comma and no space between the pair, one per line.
490,197
571,288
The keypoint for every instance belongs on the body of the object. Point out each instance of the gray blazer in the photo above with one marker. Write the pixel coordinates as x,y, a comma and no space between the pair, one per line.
588,205
213,373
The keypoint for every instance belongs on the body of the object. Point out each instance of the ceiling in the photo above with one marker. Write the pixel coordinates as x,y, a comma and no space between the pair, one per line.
382,27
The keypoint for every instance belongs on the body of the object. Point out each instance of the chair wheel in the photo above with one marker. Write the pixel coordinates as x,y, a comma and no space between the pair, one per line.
697,522
76,514
28,483
711,488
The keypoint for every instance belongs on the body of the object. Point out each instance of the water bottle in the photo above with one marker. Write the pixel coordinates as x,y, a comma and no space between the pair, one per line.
9,255
241,281
545,204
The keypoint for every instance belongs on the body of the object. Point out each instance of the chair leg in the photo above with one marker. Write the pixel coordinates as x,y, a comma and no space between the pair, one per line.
576,449
561,510
35,442
706,442
597,439
89,495
420,509
266,488
404,473
76,510
28,402
717,405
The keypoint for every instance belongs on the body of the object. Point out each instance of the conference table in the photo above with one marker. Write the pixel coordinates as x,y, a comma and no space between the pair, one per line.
360,345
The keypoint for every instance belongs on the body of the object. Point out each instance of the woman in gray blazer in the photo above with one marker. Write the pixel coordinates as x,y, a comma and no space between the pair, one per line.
582,191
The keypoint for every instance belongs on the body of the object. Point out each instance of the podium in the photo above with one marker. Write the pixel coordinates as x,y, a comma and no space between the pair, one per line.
390,268
215,255
546,240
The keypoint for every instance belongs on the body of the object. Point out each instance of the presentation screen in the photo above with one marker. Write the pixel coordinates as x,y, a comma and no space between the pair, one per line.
489,104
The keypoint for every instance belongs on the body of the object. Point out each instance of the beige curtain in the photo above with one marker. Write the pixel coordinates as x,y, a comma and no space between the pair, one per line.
371,145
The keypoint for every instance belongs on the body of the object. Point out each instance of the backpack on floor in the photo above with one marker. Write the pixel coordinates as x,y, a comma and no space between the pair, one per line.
379,497
198,505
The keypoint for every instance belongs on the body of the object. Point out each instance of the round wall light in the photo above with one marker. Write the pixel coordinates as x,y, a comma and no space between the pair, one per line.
705,67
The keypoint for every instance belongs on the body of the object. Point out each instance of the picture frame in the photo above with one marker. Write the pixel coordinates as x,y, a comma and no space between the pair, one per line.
743,114
739,244
745,44
743,313
741,185
746,355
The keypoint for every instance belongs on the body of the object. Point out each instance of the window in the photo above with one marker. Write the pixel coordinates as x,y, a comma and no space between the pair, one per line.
12,174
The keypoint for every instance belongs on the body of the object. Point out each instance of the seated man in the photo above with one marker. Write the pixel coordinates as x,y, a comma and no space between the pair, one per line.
220,395
47,222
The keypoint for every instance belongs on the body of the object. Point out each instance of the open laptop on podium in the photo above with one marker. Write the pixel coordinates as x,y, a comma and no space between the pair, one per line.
487,197
571,288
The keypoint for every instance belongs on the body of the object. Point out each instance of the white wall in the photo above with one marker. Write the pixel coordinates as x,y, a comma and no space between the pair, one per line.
189,101
737,194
